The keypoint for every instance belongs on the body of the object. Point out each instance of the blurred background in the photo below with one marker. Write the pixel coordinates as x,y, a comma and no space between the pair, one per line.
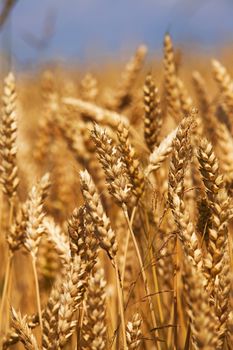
34,32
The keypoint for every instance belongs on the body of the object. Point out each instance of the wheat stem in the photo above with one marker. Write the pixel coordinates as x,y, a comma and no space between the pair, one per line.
175,292
5,287
37,292
126,246
155,277
6,291
142,271
121,305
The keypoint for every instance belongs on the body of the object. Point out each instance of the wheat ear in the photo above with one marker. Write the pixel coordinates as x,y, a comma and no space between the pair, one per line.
123,94
153,113
170,80
24,332
94,330
203,321
133,332
8,133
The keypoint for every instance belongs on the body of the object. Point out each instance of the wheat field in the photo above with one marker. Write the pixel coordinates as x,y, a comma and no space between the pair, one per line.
116,207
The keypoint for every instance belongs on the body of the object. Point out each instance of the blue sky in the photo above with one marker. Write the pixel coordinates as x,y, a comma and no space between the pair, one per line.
106,27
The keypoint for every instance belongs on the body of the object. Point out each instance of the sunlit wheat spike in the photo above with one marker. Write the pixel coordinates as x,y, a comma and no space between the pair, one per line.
8,140
170,80
94,331
153,113
24,332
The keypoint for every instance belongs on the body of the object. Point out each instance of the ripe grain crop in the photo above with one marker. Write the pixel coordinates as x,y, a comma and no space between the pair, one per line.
116,208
